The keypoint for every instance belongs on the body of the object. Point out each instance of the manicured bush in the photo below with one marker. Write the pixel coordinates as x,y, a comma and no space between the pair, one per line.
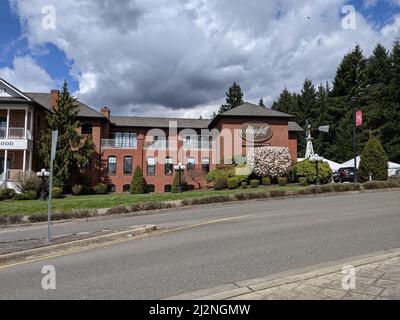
302,181
254,183
31,195
221,183
100,188
375,185
282,181
118,210
6,194
227,172
20,197
57,193
138,184
266,181
277,193
78,189
13,219
233,183
374,161
206,200
308,170
244,185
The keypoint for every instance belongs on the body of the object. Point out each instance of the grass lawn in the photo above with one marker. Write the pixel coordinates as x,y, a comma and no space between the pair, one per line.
70,203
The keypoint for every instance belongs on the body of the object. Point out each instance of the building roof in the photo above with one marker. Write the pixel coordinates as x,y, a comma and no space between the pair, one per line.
156,122
253,110
294,126
44,100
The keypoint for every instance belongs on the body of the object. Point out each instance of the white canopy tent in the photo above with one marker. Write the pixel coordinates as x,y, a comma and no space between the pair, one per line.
392,167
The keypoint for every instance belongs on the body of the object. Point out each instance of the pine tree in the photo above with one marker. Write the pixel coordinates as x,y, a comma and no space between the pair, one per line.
373,161
261,103
73,149
234,98
287,103
138,183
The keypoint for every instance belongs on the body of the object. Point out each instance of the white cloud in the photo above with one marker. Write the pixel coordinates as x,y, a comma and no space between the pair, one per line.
27,75
144,56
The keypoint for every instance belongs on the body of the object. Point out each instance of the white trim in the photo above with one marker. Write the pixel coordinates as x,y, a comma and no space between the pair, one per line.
15,90
8,123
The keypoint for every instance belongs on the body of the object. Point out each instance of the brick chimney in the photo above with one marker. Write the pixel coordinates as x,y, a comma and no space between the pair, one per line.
54,95
105,112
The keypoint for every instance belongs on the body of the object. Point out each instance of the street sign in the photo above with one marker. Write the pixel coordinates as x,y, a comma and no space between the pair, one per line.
359,118
54,138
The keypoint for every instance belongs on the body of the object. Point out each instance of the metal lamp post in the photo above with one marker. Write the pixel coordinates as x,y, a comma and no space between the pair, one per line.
316,158
43,174
179,168
353,103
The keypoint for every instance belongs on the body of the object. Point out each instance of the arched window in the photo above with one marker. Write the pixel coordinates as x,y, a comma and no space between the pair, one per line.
112,188
128,165
126,188
150,188
112,165
167,188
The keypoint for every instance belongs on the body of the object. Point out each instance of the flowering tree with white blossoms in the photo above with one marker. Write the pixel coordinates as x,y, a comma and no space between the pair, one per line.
270,161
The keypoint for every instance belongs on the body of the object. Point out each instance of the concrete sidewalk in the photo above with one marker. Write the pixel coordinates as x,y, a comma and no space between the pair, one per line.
377,277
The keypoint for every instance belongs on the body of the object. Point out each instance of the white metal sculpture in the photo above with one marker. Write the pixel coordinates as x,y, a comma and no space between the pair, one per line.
309,148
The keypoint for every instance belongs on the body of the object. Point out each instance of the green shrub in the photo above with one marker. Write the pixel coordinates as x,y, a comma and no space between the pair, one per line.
233,183
254,183
206,200
31,195
57,193
227,172
266,181
6,194
118,210
100,188
282,181
244,185
373,160
20,197
78,189
28,181
308,170
302,181
138,183
221,183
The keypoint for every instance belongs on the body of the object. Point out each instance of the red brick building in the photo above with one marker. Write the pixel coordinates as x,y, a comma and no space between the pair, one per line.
152,143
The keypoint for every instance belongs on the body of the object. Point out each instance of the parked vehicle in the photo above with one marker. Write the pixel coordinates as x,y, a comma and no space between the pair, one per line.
345,175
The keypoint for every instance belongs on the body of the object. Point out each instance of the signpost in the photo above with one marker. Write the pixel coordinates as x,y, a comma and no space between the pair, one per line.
54,138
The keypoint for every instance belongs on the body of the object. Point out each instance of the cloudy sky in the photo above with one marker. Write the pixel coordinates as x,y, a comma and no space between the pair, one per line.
177,57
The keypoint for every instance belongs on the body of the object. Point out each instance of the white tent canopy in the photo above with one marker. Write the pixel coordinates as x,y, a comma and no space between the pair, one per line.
392,167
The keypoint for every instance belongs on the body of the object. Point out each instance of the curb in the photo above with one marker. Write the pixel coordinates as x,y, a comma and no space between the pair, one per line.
71,245
101,217
236,289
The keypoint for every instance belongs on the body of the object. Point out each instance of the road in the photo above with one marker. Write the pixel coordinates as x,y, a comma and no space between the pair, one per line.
248,240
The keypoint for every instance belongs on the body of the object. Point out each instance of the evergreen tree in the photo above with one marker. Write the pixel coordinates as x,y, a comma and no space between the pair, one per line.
234,98
287,103
138,184
373,161
73,149
261,103
349,74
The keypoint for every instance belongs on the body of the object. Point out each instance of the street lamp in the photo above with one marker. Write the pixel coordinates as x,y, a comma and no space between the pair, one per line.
179,168
43,174
316,158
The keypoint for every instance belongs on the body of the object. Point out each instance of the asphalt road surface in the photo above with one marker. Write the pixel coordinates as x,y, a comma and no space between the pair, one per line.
233,242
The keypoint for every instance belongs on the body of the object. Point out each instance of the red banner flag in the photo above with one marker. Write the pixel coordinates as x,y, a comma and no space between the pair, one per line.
359,118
